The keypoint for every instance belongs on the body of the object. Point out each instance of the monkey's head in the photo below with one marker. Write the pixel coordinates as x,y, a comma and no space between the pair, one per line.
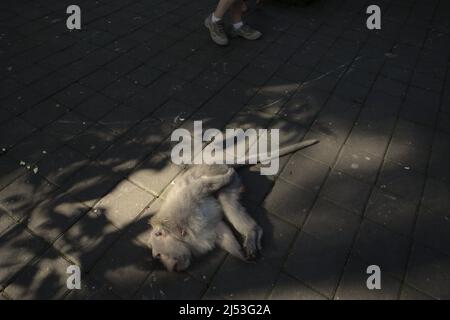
173,253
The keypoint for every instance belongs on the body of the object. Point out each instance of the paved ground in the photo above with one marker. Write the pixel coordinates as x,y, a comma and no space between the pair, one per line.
85,118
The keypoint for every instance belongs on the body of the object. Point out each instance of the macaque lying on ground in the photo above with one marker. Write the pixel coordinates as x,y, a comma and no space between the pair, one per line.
191,222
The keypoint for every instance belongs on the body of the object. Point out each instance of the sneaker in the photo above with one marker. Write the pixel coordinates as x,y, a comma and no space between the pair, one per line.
247,32
217,31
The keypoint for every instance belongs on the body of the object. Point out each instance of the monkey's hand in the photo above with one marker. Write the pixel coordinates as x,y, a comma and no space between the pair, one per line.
252,243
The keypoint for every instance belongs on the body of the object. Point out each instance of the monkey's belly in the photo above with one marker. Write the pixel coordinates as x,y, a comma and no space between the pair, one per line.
209,212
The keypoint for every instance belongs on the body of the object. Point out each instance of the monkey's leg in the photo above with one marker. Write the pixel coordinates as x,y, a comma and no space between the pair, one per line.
241,221
227,241
210,184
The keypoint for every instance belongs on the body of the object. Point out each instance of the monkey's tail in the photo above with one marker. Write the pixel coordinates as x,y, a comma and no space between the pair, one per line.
256,158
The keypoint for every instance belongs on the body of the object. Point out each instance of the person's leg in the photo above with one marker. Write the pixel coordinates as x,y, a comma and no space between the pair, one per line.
236,11
215,24
239,28
223,6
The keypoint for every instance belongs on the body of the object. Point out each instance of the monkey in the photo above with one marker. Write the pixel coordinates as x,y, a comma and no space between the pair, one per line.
190,222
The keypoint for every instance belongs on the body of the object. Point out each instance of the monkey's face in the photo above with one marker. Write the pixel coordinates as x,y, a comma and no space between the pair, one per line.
173,253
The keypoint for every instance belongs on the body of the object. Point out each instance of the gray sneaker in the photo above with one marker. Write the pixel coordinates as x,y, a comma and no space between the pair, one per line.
217,31
246,32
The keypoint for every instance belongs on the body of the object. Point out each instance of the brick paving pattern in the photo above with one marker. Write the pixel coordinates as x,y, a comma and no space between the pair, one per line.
86,116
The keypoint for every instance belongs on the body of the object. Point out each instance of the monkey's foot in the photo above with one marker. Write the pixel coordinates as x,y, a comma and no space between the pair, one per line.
252,243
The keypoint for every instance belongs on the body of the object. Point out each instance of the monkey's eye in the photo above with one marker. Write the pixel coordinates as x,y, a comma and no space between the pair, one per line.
158,256
158,233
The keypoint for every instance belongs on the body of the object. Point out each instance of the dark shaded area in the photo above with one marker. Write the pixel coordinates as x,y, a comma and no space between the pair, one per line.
85,121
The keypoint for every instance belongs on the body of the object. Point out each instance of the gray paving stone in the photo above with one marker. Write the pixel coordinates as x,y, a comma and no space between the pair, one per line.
394,72
353,284
257,185
443,122
413,107
99,79
5,221
15,257
68,126
346,191
125,266
426,81
325,151
163,285
359,164
44,113
91,183
174,112
96,106
14,131
428,271
237,280
304,172
9,170
293,73
272,96
73,95
303,106
45,279
228,281
409,293
331,224
93,141
391,212
336,118
289,202
309,65
123,204
155,173
92,290
379,246
316,263
433,230
288,288
401,180
24,193
87,240
410,145
351,91
437,196
120,119
435,168
54,216
121,89
392,87
60,165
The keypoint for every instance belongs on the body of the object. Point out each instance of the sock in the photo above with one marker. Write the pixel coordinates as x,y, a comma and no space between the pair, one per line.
215,19
237,25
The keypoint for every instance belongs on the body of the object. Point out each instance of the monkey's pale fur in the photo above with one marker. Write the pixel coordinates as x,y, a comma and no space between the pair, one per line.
191,222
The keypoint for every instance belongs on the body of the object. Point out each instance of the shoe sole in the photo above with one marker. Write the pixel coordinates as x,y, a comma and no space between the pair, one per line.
235,35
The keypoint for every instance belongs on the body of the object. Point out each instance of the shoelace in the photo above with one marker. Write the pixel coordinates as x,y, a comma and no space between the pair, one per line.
220,26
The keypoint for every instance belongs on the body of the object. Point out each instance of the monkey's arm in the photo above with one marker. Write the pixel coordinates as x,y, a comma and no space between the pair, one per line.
227,241
241,220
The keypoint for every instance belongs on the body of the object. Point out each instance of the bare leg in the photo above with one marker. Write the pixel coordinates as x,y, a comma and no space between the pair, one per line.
227,241
241,220
223,7
236,11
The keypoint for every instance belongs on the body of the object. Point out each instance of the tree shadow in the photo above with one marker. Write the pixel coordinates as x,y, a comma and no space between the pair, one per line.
88,200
